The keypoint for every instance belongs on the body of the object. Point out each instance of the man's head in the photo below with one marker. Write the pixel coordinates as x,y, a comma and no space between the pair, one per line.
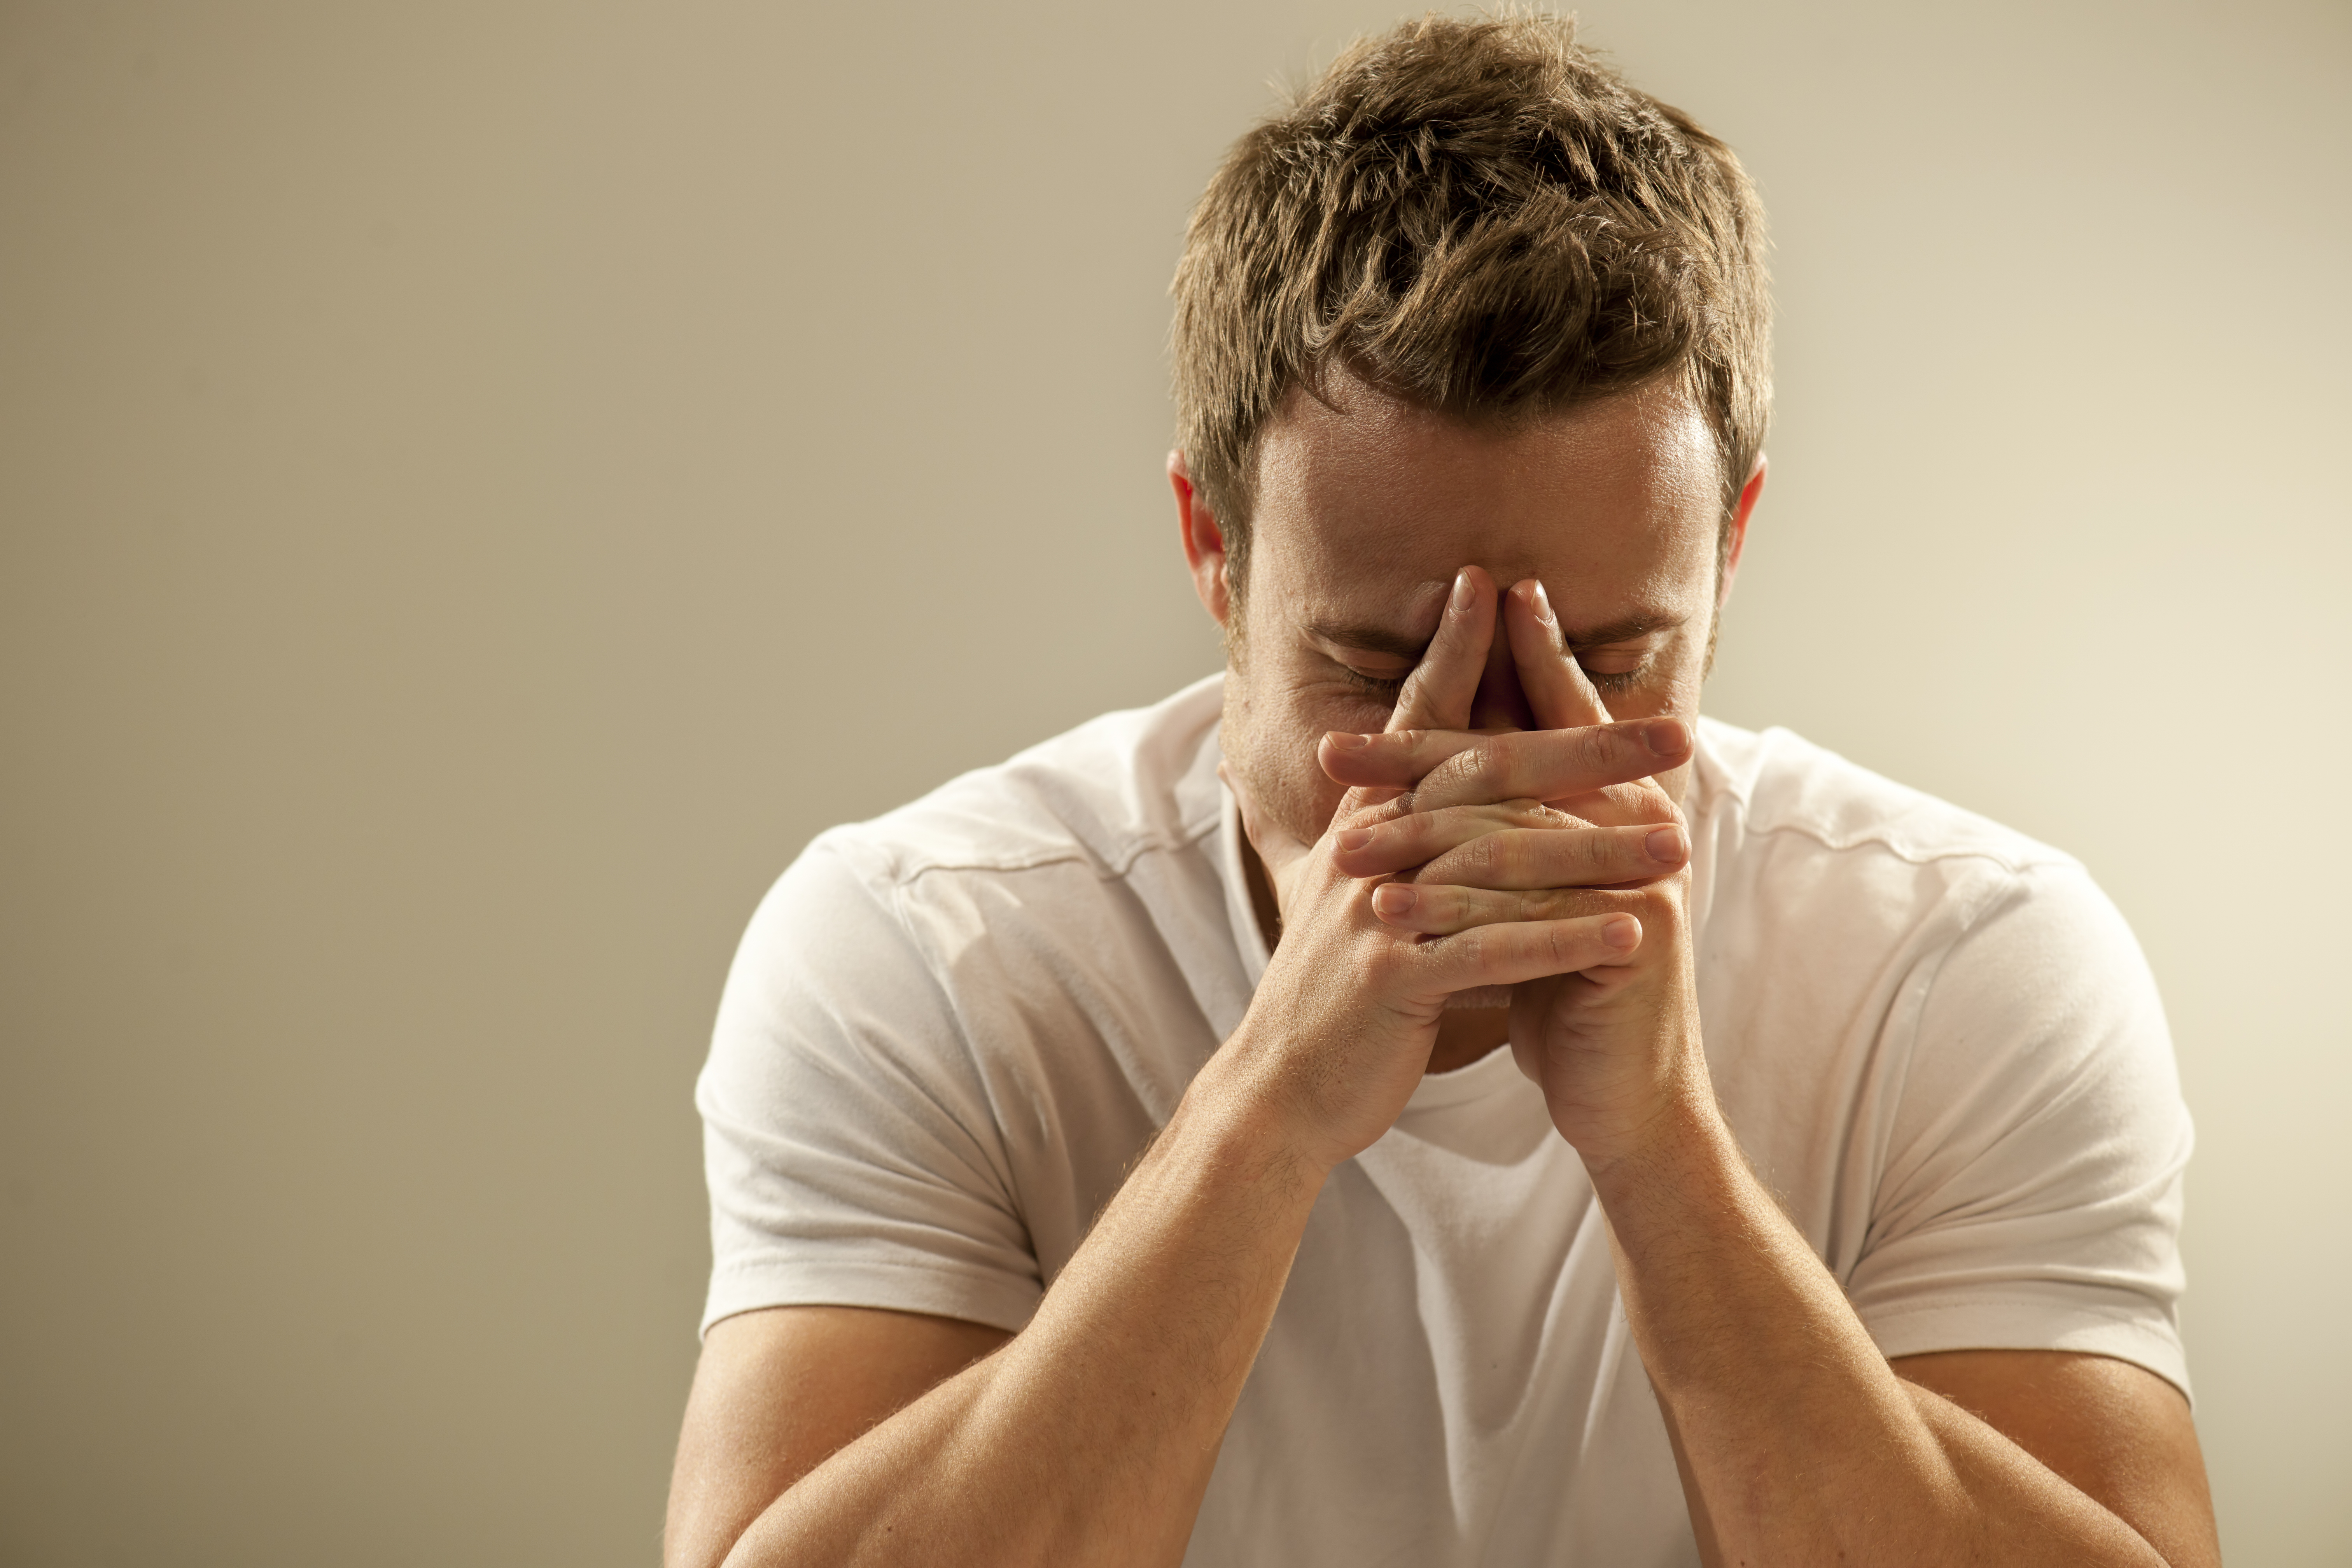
1470,300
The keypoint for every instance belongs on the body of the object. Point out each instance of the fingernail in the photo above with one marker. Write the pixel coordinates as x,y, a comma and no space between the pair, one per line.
1352,838
1665,737
1395,898
1665,846
1464,591
1540,603
1343,740
1620,933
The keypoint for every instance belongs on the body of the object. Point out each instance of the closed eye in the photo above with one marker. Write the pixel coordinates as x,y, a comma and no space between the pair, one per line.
1618,667
1380,688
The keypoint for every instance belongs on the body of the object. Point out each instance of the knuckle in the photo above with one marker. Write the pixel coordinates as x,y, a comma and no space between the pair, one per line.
1484,853
1480,764
1625,804
1617,850
1571,858
1652,904
1570,903
1530,814
1555,857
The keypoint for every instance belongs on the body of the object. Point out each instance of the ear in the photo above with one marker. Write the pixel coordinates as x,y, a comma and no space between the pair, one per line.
1748,494
1204,541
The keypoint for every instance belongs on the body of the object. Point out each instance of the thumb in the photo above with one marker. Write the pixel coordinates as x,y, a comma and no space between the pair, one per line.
1274,844
1280,850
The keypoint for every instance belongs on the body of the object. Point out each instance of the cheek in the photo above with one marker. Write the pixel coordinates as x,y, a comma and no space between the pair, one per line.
1292,729
1321,707
1676,693
1672,687
1272,730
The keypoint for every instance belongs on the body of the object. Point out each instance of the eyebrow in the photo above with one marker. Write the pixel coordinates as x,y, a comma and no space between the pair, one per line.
1383,640
1624,629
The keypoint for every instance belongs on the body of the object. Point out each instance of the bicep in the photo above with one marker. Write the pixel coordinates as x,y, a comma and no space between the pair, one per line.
2115,1432
778,1391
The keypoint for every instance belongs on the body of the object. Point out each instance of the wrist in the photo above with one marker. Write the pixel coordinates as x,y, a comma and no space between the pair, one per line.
1233,1118
1682,1145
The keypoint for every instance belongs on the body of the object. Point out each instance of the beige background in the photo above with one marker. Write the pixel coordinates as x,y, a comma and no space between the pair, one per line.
480,484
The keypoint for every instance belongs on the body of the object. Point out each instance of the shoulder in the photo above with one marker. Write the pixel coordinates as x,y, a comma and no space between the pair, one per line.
1943,1045
1828,887
1082,848
1774,784
1990,959
1094,798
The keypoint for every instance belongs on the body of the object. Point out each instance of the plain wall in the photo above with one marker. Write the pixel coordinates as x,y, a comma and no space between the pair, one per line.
480,485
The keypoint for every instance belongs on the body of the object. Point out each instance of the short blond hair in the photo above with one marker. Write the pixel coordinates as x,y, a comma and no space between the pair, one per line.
1480,218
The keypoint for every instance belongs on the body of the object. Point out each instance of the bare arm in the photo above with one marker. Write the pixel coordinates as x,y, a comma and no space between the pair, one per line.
777,1391
2118,1433
1089,1437
1801,1444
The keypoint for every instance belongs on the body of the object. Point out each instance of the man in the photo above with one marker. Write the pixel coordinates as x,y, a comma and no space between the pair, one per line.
1426,1097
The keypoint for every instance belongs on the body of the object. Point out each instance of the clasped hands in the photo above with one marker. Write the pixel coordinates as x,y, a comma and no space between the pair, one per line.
1547,862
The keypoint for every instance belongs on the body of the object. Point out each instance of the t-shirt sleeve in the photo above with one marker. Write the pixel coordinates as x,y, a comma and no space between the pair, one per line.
2031,1192
848,1142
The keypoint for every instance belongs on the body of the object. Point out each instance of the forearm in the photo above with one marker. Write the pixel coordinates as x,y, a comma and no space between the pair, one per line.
1089,1437
1799,1442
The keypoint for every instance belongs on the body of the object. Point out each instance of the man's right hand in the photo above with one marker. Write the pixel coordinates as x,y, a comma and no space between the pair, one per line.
1341,1026
1090,1437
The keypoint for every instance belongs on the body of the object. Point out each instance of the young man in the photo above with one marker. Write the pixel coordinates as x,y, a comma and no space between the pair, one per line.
1426,1097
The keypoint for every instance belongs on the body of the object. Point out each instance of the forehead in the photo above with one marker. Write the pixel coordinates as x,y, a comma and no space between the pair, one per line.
1370,504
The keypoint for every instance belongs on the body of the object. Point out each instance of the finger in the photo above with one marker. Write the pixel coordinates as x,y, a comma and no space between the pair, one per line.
1394,759
1450,768
1513,952
1619,805
1442,687
1555,857
1442,910
1552,765
1407,839
1557,689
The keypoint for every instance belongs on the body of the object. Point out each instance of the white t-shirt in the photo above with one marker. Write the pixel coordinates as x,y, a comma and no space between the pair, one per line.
949,1029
